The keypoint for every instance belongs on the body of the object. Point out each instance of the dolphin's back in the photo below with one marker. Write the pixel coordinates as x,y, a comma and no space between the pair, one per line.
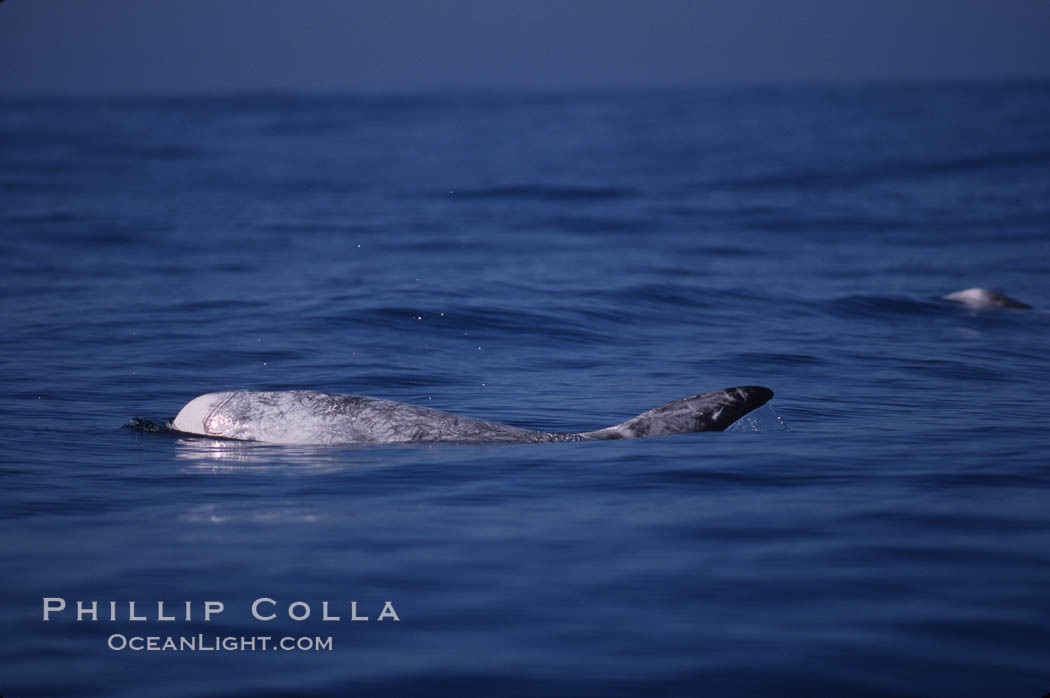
311,417
713,411
984,298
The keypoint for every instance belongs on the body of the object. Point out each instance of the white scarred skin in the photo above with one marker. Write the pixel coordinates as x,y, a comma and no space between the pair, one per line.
191,418
311,417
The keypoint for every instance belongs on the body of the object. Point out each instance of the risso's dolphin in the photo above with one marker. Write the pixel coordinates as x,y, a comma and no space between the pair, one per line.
309,417
981,298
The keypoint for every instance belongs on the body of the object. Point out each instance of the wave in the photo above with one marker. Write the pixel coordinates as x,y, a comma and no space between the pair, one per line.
541,192
832,178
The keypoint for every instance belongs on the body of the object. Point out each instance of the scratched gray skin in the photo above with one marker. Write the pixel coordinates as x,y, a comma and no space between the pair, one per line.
310,417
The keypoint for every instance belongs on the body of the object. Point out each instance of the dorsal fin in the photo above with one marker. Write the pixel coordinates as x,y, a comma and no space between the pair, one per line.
707,412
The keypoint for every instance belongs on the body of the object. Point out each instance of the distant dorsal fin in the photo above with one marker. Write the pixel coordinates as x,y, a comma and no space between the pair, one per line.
985,298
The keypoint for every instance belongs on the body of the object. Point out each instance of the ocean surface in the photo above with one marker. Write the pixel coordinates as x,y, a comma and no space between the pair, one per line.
555,261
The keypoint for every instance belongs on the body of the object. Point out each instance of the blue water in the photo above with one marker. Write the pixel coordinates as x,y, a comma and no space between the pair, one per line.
553,261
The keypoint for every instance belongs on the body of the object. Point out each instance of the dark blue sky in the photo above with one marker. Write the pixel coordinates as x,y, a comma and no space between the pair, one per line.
117,46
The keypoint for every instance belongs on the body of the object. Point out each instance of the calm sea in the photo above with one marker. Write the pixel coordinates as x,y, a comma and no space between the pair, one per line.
553,261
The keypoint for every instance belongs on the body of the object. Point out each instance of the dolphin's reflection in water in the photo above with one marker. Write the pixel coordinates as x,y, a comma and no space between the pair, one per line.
270,505
223,513
217,456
